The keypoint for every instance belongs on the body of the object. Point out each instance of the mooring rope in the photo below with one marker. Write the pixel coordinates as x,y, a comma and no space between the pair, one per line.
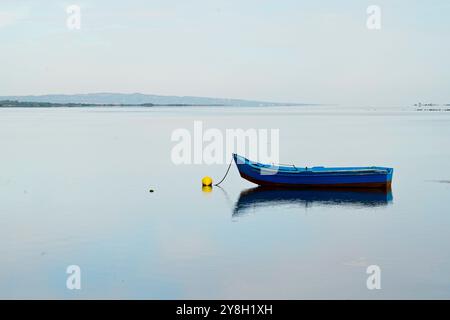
226,173
227,197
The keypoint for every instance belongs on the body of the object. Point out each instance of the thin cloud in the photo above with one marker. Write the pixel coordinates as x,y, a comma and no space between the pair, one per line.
8,18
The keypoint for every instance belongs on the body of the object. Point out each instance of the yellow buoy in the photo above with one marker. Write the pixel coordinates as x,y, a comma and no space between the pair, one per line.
207,181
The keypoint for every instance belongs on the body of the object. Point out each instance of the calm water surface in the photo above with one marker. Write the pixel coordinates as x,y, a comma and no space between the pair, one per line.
74,189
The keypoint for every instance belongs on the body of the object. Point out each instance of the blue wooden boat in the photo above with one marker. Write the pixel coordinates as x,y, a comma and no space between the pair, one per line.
315,177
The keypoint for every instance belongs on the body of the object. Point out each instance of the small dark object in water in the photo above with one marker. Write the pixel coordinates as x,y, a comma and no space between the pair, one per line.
151,190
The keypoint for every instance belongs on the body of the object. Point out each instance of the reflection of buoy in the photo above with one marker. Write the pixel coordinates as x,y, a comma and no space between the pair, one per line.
207,181
206,188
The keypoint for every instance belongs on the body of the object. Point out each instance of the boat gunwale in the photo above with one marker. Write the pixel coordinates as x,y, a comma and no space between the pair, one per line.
313,171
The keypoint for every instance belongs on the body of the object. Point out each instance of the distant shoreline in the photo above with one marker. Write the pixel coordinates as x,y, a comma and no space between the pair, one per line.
27,104
108,99
33,104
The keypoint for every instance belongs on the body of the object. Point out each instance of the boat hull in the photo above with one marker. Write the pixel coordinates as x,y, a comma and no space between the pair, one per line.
319,177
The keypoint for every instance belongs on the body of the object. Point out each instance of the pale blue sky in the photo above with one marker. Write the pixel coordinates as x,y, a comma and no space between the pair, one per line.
290,50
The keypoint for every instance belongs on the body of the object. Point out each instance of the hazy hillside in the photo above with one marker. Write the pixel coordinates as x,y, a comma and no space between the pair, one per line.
138,98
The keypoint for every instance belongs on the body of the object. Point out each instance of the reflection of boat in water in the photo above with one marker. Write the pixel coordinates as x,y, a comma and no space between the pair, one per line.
270,197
